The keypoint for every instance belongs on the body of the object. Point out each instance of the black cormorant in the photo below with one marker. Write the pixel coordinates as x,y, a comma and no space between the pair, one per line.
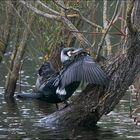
77,66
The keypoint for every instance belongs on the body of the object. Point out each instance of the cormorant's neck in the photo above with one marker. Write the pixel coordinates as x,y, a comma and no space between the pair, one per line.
66,63
78,56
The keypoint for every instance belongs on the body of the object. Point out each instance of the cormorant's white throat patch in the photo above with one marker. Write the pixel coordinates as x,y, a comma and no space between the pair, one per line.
61,91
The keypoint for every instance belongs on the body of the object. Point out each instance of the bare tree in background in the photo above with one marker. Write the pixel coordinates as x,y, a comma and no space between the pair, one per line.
6,28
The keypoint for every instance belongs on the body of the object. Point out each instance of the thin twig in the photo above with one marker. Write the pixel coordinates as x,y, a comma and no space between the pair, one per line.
104,35
118,13
22,19
110,33
49,16
122,16
123,34
105,25
77,11
83,41
48,8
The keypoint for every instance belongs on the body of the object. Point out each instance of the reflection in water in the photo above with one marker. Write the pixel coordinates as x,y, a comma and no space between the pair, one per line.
20,119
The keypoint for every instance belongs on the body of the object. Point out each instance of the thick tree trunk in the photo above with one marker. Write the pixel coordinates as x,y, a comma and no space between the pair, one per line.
93,102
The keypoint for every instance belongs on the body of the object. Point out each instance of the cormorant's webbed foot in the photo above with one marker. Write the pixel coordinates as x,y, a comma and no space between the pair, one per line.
57,106
66,104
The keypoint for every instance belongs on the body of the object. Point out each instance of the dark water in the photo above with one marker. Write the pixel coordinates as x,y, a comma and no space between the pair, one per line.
20,119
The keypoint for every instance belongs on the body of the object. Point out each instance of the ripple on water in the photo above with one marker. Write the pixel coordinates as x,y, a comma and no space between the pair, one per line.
3,136
26,120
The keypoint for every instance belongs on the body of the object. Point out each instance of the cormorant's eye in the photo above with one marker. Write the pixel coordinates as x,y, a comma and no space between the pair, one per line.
69,53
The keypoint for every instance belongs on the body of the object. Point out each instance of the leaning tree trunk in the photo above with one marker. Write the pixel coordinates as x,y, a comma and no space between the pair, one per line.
93,102
10,84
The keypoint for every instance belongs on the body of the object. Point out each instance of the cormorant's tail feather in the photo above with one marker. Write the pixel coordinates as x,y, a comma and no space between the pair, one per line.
28,95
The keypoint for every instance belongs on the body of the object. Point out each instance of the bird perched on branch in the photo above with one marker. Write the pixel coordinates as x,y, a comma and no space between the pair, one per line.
77,66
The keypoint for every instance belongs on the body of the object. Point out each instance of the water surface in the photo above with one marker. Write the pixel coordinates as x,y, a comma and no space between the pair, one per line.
20,119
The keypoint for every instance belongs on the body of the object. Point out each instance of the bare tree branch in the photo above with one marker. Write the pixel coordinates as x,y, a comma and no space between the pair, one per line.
117,28
108,28
109,33
48,8
49,16
7,29
82,17
10,84
105,23
83,41
21,18
128,18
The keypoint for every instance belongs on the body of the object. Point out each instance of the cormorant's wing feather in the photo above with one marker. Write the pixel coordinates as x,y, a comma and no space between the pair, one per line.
46,69
84,69
71,74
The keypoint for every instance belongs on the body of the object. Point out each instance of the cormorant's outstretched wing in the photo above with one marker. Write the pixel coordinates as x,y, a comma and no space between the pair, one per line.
84,69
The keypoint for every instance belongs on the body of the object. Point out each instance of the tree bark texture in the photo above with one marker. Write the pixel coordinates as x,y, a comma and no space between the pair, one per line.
10,84
93,102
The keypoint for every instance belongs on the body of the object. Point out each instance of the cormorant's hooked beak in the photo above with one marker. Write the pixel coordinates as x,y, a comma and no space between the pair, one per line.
70,53
77,51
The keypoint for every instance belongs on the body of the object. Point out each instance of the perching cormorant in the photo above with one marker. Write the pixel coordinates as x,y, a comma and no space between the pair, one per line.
56,87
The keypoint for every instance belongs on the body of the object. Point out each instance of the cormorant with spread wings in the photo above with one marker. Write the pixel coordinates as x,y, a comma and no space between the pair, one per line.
77,66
